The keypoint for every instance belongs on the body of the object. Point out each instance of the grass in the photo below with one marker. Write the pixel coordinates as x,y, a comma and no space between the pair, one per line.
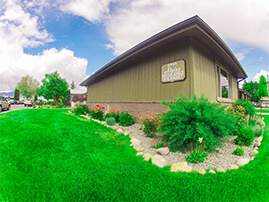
48,155
263,110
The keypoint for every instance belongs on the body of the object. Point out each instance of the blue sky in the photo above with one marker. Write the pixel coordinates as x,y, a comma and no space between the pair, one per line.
77,37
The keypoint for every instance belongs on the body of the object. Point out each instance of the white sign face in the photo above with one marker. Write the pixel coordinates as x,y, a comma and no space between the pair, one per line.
174,71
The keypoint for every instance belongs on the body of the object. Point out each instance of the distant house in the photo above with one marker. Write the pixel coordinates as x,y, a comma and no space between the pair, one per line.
78,96
186,59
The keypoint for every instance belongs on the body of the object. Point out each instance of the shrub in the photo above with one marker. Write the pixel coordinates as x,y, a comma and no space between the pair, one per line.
150,124
126,119
238,152
258,131
239,112
245,136
158,145
249,107
187,120
114,113
196,157
80,109
97,112
110,121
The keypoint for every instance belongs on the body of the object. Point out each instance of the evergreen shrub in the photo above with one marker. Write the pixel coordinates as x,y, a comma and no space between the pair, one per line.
126,119
110,121
238,152
187,120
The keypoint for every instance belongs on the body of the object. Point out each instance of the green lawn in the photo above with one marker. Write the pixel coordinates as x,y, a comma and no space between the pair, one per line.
49,155
264,110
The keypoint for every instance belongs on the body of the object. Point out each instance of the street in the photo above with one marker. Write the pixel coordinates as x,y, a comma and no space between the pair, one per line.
14,107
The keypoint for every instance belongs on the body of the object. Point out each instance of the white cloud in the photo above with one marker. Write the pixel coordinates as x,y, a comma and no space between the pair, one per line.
92,10
242,54
18,30
243,21
262,72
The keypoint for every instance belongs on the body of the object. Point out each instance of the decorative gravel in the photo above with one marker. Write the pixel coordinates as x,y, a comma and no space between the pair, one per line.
224,158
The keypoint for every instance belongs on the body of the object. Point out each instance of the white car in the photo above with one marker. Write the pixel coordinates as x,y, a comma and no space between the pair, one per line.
28,103
4,104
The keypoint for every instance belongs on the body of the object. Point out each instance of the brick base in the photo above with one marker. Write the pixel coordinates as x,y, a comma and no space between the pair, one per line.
134,108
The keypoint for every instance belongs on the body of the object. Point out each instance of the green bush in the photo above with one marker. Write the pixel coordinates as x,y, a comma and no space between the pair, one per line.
249,107
158,145
114,113
196,157
110,121
97,112
187,120
245,136
150,124
238,152
126,119
80,109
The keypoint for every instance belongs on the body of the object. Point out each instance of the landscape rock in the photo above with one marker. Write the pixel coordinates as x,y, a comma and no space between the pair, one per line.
138,148
181,167
158,160
242,161
212,171
257,144
147,156
259,139
219,151
220,169
201,171
126,132
253,152
139,153
252,158
135,142
119,130
163,150
232,167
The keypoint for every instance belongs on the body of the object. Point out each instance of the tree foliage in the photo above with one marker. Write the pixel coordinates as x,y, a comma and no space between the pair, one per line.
72,85
263,87
28,86
252,88
54,87
17,94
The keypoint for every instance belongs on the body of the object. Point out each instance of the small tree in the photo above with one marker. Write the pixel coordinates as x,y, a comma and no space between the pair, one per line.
72,85
17,94
53,86
263,89
28,86
252,88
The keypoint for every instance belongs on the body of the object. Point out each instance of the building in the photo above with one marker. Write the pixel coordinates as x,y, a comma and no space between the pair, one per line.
186,59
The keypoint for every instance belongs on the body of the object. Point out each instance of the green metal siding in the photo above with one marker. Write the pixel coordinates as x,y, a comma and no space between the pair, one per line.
140,81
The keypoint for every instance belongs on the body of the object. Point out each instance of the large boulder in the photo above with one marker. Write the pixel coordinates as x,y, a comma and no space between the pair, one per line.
158,160
242,161
163,151
181,167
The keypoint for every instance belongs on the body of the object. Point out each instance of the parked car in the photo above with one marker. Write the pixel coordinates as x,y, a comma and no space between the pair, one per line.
11,101
4,104
28,103
20,102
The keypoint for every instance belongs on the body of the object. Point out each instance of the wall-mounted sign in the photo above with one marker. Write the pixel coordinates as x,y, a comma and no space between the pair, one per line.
174,71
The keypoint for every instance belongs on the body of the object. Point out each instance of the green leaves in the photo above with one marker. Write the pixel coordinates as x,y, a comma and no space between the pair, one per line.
53,86
28,86
263,87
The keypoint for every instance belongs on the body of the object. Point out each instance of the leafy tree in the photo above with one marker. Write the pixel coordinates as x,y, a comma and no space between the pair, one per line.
53,86
252,88
28,86
17,94
72,86
263,87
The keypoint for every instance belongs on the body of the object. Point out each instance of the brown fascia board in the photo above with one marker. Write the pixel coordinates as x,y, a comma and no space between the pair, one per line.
178,29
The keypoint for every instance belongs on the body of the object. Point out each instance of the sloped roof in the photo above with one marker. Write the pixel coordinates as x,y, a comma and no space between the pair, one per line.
192,27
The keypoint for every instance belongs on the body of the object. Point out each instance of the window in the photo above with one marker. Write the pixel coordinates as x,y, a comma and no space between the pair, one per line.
224,87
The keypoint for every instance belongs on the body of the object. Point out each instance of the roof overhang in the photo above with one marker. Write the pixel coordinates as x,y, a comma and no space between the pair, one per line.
193,27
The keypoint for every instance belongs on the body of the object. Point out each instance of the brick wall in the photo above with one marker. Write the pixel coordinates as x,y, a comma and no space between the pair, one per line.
134,108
